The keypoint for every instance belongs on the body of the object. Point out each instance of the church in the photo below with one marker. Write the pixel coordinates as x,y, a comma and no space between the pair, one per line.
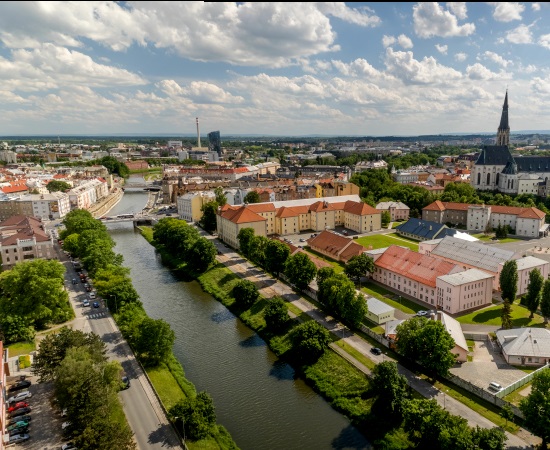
497,170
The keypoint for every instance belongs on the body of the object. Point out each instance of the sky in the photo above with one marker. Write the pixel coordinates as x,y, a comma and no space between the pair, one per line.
278,69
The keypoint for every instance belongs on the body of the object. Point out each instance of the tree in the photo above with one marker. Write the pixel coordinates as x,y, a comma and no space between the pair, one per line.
202,254
358,266
386,218
252,197
276,254
508,280
15,329
300,270
196,415
506,315
276,314
536,407
257,249
113,165
208,219
534,288
391,389
489,438
155,341
115,286
79,220
56,186
245,293
506,413
310,340
245,238
338,293
221,198
545,301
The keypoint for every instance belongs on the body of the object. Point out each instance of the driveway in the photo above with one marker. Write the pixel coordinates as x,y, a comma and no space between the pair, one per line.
488,365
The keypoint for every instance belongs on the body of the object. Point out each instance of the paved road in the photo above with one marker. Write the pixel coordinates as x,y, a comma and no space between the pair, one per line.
143,411
269,287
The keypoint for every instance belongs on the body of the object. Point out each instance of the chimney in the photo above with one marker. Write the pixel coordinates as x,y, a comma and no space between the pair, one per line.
198,134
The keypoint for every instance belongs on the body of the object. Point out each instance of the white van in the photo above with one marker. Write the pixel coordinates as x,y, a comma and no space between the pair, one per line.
495,386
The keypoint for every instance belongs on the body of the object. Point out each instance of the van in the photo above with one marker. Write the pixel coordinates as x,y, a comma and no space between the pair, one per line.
495,386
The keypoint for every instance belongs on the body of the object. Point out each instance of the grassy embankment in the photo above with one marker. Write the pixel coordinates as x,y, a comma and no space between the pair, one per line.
491,316
171,386
344,386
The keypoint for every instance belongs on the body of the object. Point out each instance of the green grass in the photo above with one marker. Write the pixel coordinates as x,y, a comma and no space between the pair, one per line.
367,362
338,266
491,316
21,348
405,305
166,385
483,237
385,240
515,397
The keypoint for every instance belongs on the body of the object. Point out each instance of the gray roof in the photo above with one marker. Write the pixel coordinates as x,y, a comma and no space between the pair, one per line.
485,257
529,262
387,205
467,276
533,163
525,342
454,329
378,307
494,155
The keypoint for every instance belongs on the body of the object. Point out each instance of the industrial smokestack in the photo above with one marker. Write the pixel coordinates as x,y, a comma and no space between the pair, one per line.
198,134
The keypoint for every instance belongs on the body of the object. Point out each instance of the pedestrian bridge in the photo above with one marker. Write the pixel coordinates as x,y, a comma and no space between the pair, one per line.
137,219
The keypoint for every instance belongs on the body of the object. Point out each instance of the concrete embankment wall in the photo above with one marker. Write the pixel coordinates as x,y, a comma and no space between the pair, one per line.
106,205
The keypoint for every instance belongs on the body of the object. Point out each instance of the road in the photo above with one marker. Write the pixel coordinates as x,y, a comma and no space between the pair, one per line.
269,287
142,408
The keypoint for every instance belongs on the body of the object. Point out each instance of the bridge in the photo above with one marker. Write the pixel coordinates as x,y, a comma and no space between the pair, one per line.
148,185
137,219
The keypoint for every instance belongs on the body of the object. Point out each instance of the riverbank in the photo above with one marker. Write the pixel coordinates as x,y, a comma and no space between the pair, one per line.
103,207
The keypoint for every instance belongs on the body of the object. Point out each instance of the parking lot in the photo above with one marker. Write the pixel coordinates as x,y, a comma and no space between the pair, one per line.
45,424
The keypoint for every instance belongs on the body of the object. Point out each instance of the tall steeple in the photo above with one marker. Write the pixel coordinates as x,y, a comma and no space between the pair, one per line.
503,132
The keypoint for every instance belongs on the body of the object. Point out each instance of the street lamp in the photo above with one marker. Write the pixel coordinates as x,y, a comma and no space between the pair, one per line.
116,303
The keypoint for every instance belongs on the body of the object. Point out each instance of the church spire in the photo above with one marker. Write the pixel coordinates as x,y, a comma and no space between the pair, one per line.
503,132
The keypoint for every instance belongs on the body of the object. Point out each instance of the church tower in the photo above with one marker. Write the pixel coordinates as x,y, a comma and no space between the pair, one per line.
503,133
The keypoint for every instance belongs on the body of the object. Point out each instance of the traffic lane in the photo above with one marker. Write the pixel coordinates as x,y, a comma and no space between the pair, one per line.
151,428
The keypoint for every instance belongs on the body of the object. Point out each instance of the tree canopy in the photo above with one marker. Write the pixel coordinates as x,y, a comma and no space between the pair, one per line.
536,407
245,293
57,185
196,415
300,270
534,290
252,197
358,266
508,280
310,341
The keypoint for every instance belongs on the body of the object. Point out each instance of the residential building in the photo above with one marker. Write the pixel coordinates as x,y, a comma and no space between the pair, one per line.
452,326
335,246
525,346
48,206
368,165
421,230
231,220
23,238
378,311
189,205
398,210
525,266
462,291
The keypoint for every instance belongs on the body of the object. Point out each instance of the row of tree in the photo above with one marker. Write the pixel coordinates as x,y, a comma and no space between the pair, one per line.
86,385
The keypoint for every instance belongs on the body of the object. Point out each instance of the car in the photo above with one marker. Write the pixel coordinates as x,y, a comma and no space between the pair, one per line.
376,351
17,406
68,446
302,240
22,384
86,303
18,424
495,387
20,412
18,438
95,304
20,430
92,295
23,395
422,313
345,233
88,288
74,281
65,426
19,419
125,382
64,412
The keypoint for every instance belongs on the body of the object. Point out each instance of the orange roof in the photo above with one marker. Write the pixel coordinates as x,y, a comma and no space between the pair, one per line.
261,207
241,215
14,188
435,206
527,213
353,249
320,206
329,242
359,208
415,266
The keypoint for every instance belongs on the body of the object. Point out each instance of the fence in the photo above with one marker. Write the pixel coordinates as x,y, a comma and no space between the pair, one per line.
521,382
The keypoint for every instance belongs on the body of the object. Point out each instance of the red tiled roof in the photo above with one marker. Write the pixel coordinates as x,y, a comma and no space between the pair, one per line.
353,249
359,208
527,213
261,207
14,188
435,206
320,206
328,242
415,266
22,227
241,215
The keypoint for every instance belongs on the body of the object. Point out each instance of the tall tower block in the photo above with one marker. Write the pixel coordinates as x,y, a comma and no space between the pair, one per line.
198,134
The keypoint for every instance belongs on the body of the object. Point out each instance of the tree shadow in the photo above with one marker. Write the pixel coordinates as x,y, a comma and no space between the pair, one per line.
486,316
350,438
282,371
161,435
222,316
253,341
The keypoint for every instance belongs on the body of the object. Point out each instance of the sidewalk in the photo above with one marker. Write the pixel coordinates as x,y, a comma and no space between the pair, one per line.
271,287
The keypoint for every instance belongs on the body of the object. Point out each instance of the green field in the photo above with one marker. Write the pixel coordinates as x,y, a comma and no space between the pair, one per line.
491,316
484,237
385,240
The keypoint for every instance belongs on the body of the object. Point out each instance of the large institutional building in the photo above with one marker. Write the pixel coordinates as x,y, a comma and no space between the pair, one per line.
497,170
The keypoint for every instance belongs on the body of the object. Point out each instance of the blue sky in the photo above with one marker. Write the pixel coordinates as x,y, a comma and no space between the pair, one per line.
273,68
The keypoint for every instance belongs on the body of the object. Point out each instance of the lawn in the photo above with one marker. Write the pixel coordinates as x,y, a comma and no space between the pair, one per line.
491,316
338,266
21,348
385,240
484,237
398,302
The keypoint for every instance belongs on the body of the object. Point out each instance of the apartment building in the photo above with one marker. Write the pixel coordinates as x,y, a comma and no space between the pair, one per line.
189,205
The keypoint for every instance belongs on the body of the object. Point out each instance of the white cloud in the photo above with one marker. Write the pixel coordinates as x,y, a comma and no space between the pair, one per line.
269,34
404,41
507,11
544,41
535,6
442,48
480,72
411,71
492,56
199,92
541,85
388,40
520,35
527,69
358,68
459,9
430,20
461,56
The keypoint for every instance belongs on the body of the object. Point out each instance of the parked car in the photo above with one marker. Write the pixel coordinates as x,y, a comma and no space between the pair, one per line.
86,303
24,395
18,424
75,281
17,406
20,430
19,419
376,351
20,412
125,382
68,446
22,384
18,438
92,295
95,304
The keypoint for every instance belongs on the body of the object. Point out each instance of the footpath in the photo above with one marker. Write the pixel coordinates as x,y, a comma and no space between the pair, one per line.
270,287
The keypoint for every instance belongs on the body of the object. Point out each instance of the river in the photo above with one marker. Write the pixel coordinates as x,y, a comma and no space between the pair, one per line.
256,396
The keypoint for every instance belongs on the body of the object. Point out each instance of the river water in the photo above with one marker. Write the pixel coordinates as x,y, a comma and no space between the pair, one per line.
256,396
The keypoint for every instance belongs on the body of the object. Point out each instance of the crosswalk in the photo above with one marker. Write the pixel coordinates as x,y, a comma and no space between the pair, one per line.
97,315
